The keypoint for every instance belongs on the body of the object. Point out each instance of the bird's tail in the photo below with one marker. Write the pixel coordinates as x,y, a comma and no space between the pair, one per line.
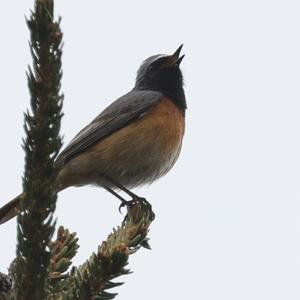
10,209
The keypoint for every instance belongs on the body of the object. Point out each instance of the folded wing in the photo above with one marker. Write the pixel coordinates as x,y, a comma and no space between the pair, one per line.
123,111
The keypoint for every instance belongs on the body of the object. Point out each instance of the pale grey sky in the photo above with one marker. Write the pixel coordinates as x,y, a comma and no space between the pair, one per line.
228,214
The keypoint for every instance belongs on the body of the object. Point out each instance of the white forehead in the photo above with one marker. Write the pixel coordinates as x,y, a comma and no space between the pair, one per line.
144,66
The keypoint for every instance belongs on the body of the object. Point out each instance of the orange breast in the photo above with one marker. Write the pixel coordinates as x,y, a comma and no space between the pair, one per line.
156,135
136,154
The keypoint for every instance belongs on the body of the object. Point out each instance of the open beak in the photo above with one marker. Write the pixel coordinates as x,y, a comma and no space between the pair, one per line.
175,58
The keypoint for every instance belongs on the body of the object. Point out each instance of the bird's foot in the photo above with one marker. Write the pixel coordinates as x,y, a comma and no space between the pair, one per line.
136,200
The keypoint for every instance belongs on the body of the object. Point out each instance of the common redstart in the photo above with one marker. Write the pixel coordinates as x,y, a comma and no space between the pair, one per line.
134,141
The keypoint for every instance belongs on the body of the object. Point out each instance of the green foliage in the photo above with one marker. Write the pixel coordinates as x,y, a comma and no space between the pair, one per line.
41,145
63,249
95,277
92,279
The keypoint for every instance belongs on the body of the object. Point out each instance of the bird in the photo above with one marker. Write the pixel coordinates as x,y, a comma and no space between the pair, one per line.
134,141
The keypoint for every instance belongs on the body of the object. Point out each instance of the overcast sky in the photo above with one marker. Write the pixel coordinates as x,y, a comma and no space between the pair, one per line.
228,214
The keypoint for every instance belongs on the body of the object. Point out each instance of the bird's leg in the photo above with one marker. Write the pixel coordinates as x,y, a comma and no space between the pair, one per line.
135,198
123,201
123,188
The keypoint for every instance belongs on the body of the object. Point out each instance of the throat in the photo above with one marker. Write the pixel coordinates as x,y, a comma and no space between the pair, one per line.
177,96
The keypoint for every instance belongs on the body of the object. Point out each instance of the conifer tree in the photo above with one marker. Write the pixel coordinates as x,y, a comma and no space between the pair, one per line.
41,269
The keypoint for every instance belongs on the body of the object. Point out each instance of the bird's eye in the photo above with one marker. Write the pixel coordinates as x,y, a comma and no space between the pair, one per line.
151,68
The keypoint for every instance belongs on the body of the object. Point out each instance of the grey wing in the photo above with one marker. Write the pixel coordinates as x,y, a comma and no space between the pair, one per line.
117,115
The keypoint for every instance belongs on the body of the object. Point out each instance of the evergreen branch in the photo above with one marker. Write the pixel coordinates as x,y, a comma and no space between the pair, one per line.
41,145
63,249
92,279
39,271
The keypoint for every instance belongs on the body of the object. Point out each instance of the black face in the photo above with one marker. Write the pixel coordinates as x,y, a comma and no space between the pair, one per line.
162,73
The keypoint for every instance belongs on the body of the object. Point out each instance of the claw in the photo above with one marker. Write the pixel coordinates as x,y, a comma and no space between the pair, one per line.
142,202
123,204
